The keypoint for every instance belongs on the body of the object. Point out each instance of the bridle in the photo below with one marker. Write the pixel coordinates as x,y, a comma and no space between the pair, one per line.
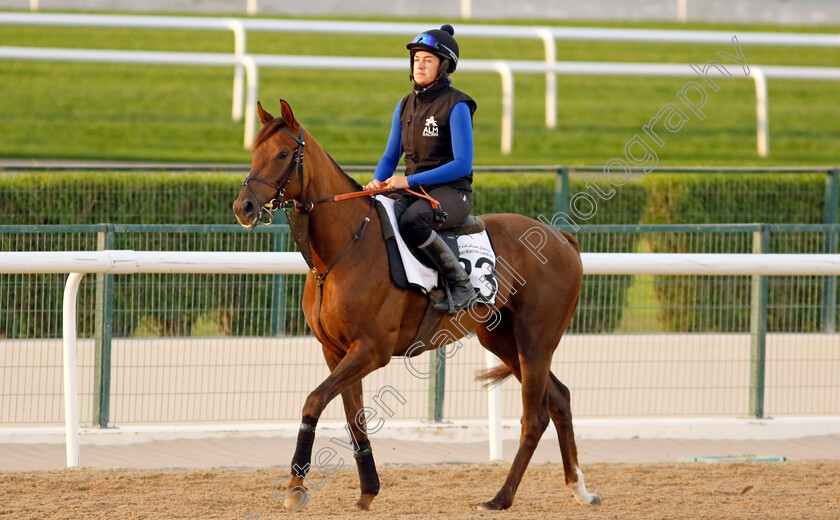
267,209
297,212
299,216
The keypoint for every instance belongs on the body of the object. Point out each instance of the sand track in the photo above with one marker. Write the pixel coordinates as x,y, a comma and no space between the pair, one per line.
788,490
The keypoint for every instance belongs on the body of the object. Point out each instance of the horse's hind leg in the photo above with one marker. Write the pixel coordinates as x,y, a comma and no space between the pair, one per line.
559,407
502,342
533,373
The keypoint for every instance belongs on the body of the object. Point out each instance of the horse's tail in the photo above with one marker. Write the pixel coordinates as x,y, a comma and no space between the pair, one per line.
494,376
571,238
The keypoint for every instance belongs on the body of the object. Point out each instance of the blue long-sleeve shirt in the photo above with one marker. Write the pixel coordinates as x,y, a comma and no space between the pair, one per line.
460,128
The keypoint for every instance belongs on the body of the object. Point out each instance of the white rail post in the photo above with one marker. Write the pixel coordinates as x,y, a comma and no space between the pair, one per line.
494,411
550,78
682,10
71,394
252,73
252,7
33,5
239,45
507,106
466,9
762,130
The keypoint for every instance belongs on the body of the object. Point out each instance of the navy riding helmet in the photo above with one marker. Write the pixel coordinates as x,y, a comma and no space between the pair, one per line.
439,42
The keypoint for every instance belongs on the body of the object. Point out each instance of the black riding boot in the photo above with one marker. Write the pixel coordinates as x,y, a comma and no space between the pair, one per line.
450,268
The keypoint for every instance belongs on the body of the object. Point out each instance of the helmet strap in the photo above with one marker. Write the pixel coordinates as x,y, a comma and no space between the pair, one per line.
444,67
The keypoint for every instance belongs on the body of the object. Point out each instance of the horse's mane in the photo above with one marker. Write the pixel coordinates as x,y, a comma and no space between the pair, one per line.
353,182
275,125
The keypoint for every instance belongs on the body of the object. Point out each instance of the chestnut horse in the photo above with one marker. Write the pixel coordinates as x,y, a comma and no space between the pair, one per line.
362,319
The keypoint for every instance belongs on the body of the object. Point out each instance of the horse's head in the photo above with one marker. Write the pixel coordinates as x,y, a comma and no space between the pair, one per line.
276,166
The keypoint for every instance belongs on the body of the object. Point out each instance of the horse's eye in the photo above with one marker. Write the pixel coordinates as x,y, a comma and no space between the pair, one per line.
282,155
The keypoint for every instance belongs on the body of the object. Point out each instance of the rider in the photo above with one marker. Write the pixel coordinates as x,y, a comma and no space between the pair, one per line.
432,126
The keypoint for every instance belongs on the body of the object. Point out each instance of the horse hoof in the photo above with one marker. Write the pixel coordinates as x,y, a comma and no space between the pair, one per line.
490,506
364,502
595,500
297,501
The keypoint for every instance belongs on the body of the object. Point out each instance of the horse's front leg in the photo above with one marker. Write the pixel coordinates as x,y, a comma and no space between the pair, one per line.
345,378
368,477
357,427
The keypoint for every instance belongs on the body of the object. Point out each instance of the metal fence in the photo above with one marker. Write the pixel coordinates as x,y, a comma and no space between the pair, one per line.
235,348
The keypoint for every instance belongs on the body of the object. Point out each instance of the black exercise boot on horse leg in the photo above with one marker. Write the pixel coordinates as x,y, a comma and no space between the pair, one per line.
349,284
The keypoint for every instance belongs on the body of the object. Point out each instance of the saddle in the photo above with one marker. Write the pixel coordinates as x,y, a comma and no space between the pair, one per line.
469,226
468,241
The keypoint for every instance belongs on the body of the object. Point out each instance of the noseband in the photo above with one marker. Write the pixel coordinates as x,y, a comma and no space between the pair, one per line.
295,166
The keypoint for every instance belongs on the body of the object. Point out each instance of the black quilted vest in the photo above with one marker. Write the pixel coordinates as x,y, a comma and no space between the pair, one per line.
426,138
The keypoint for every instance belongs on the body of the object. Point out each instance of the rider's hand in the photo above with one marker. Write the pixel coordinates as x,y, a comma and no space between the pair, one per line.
373,185
397,182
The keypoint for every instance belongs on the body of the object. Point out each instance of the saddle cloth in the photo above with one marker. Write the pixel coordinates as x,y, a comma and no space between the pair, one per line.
474,250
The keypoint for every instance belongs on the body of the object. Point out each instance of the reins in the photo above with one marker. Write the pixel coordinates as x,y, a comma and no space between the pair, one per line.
307,206
297,213
268,209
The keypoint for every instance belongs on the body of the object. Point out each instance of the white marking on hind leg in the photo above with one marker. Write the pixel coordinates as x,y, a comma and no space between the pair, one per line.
579,489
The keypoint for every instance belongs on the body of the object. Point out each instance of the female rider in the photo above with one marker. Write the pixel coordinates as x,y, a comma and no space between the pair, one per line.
432,126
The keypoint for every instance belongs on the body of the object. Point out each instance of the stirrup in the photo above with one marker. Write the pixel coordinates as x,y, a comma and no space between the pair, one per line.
437,296
451,309
448,304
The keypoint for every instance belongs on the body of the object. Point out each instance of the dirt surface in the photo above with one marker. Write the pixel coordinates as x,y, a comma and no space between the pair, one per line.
786,490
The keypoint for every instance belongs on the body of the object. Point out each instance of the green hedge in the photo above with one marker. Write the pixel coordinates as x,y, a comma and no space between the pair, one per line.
694,303
735,198
118,197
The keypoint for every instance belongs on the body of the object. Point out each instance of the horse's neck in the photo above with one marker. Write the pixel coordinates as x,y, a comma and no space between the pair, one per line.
332,224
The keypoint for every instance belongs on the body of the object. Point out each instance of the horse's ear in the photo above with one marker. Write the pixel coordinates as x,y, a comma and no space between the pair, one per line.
265,117
288,116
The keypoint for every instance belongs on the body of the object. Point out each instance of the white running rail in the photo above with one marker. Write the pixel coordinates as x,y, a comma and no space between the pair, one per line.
78,263
548,35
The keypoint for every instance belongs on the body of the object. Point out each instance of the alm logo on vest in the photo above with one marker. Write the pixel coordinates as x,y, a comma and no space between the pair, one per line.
431,129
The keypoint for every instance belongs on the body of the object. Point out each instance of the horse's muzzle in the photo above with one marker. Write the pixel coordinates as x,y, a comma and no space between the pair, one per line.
247,211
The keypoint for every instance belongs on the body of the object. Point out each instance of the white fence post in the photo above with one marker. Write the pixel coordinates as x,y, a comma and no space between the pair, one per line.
550,78
251,102
466,9
494,412
71,393
762,126
682,10
239,45
507,106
